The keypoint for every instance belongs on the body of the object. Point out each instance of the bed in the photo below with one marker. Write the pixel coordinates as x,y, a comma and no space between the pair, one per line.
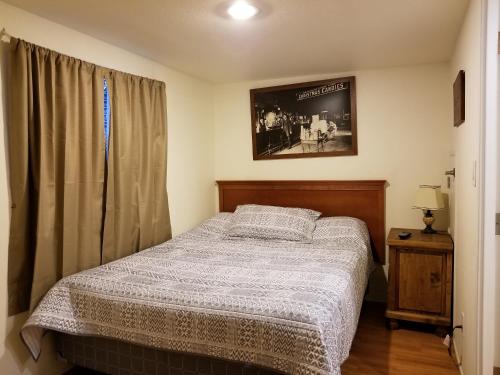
205,303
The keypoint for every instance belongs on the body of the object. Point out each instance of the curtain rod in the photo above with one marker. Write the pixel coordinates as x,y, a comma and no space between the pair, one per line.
5,36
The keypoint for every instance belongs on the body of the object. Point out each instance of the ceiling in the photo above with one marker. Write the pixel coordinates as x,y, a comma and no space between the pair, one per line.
287,38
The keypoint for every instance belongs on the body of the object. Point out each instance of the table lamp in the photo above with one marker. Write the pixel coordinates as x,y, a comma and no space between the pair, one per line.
429,198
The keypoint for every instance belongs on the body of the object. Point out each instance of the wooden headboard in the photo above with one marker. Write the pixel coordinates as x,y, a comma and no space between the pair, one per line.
364,200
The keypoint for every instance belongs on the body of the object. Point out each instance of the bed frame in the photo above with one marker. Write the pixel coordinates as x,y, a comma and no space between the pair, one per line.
361,199
110,356
364,200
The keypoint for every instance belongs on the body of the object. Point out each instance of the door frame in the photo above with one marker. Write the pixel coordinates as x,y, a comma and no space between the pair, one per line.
488,191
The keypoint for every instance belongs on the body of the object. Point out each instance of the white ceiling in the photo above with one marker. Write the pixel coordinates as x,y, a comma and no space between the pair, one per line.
287,38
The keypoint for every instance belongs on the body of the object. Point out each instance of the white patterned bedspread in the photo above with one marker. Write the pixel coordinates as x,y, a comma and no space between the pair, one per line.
292,307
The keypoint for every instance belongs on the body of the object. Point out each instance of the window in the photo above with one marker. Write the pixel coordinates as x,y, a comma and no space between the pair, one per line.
106,117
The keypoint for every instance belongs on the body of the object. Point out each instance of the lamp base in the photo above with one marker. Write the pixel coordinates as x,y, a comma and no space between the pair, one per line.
428,220
429,230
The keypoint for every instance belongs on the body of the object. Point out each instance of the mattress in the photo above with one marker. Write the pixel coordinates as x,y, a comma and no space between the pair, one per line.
288,306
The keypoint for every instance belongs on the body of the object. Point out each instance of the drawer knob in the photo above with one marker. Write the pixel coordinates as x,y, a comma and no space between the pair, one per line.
435,277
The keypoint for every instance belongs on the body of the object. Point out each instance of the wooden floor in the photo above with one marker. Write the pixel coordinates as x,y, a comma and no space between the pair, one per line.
411,350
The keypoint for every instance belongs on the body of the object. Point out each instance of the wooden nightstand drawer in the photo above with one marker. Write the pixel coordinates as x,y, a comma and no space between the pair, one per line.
420,278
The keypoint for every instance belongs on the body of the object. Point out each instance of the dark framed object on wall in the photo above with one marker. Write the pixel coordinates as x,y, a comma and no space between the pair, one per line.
459,99
310,119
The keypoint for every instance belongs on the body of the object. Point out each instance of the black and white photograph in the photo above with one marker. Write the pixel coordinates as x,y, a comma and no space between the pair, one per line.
304,120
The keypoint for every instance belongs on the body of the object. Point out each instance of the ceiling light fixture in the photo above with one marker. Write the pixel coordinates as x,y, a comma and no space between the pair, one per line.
241,10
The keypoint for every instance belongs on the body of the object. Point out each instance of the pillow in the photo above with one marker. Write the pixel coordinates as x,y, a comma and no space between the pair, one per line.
273,223
341,229
215,227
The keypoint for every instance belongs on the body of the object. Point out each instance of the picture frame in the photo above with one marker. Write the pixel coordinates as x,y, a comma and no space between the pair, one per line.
459,99
302,120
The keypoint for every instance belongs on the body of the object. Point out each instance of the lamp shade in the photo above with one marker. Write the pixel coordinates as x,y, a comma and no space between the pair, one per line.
429,197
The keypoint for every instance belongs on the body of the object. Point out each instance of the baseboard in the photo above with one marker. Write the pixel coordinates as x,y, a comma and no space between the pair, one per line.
457,357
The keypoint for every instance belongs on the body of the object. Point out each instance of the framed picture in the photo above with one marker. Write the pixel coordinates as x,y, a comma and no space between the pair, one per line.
459,99
304,120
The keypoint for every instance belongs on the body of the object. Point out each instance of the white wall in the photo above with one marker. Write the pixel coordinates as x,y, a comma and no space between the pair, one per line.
190,154
404,117
467,56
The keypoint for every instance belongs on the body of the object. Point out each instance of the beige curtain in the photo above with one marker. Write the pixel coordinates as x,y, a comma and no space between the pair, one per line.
136,199
56,157
59,177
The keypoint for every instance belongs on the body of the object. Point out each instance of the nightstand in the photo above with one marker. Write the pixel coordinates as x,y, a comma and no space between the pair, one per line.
420,278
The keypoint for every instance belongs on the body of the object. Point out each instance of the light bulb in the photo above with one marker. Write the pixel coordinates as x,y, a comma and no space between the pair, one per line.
241,10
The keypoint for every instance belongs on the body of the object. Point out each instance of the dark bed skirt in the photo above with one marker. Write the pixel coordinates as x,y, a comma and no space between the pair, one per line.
115,357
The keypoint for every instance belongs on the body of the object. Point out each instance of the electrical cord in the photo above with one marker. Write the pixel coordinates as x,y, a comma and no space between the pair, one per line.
461,327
